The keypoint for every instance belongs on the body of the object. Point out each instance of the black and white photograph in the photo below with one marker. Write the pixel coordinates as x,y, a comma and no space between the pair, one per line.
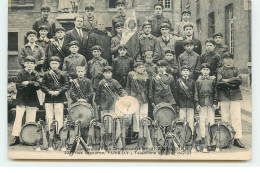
129,79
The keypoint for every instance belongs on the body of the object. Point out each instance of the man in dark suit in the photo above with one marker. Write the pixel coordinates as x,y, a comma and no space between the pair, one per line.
188,31
79,34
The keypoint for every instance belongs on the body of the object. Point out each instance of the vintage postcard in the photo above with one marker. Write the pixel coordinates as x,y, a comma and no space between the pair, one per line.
129,79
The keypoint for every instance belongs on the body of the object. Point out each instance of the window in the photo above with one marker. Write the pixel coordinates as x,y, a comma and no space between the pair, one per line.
198,24
22,3
12,41
112,3
229,27
197,7
166,3
211,25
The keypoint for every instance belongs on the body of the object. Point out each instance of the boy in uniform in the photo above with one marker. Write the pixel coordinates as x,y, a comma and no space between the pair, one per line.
90,21
28,82
185,87
122,65
230,96
54,84
172,67
115,41
206,99
82,89
96,66
119,17
220,48
190,59
150,67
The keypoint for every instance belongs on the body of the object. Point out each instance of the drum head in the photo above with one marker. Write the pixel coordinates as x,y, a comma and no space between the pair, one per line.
127,105
164,114
29,134
179,128
225,135
82,112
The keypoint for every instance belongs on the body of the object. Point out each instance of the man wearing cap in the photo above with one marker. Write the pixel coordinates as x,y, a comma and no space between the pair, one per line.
188,35
120,15
44,20
57,47
179,27
90,21
28,82
220,48
230,96
158,19
115,41
148,42
79,34
100,36
166,41
162,86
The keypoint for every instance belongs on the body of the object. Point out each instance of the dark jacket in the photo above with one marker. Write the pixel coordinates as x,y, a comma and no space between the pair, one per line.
86,89
90,26
148,43
56,50
137,86
229,91
117,18
191,60
73,35
172,67
102,39
214,61
48,84
206,91
104,97
156,21
48,22
183,101
151,69
179,49
26,95
162,90
115,41
221,49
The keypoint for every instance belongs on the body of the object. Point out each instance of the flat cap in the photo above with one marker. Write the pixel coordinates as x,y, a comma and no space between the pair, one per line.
55,58
44,27
162,63
96,47
89,8
120,2
72,43
185,11
187,25
185,67
158,4
137,64
122,46
228,55
30,59
59,29
218,34
31,32
169,51
119,24
107,68
45,8
165,25
205,65
188,42
146,23
210,40
149,53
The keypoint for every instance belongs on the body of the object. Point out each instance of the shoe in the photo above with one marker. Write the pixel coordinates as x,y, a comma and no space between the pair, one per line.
15,141
63,149
238,143
38,149
50,149
205,150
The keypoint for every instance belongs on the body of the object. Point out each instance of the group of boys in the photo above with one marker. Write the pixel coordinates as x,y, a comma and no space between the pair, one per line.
57,69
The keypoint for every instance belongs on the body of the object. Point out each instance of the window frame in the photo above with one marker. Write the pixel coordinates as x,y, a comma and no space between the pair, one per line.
163,2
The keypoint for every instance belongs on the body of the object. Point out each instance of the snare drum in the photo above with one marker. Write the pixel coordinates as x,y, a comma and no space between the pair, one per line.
28,134
164,113
179,127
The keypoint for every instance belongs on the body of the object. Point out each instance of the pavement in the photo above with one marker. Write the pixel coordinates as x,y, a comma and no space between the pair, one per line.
231,153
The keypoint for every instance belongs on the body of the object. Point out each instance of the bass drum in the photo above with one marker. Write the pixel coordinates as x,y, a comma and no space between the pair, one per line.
81,111
164,114
28,134
226,133
179,128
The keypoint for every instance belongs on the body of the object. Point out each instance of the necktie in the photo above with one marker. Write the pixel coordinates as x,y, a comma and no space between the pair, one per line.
80,33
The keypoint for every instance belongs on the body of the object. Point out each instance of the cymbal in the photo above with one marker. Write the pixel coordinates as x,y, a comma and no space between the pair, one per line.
127,105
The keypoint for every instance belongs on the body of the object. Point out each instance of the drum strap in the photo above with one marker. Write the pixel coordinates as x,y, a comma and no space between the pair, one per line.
75,82
184,87
109,90
160,82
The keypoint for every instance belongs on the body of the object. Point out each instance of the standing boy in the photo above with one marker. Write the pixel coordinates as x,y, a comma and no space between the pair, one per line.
90,21
119,17
206,99
230,96
220,48
150,67
172,67
28,82
115,41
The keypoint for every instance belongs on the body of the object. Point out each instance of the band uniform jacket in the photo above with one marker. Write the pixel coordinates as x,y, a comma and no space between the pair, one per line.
191,60
151,69
73,35
104,97
206,91
102,39
221,49
90,24
156,21
85,87
162,90
122,65
214,61
183,101
178,29
148,43
53,51
26,95
164,45
180,48
172,67
48,22
115,41
117,18
45,44
71,62
229,91
137,86
38,53
95,70
48,84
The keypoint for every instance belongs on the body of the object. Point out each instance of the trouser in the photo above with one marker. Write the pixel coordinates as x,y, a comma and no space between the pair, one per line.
139,115
188,115
108,119
30,117
54,111
206,115
231,113
41,96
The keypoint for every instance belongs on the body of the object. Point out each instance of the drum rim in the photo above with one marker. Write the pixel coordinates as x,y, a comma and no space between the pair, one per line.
181,121
20,136
81,103
159,106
